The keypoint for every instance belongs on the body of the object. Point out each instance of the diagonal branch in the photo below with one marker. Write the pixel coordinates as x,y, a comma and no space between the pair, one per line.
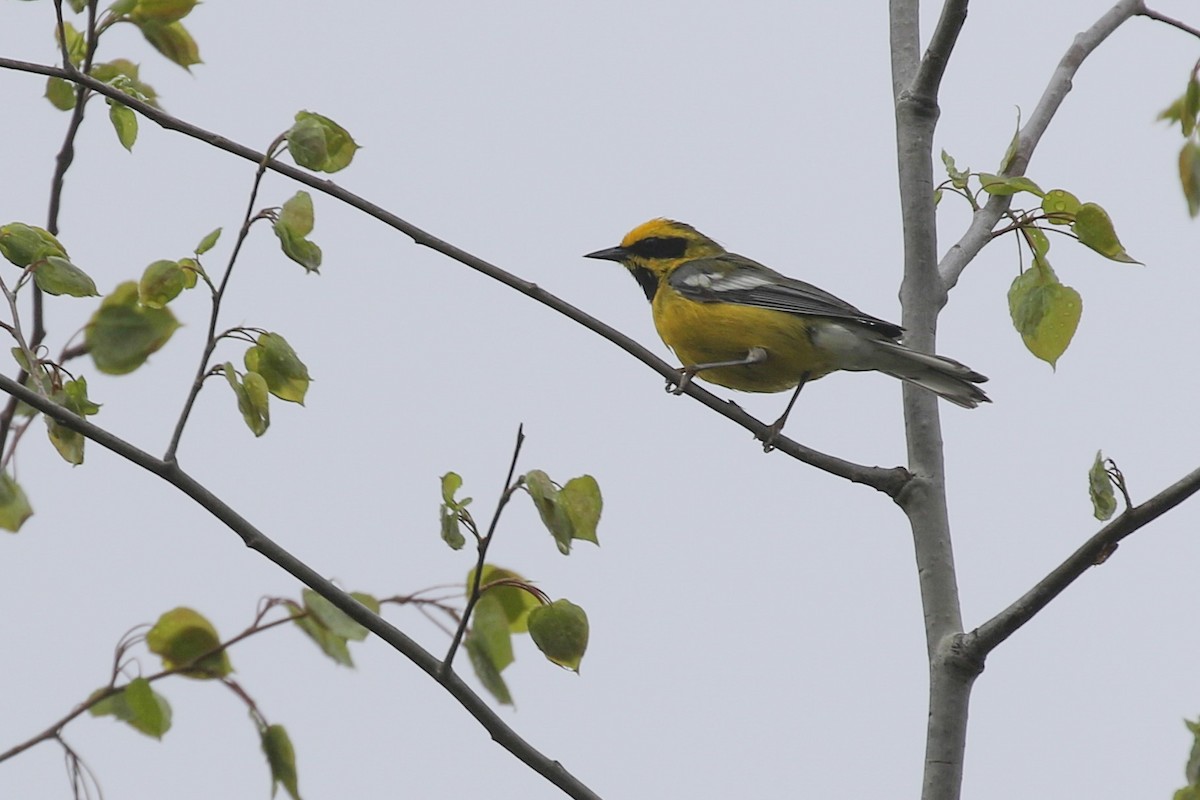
255,539
937,56
1157,16
979,232
890,481
990,634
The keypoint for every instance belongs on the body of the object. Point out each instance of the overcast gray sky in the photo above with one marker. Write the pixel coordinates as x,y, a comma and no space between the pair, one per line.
756,628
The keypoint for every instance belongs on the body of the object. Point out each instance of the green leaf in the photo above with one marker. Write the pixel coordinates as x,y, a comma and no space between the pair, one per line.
1095,229
996,184
1011,151
162,11
121,73
1173,112
122,333
191,269
1060,206
1192,769
319,143
160,284
487,673
274,359
207,242
516,601
1100,489
554,516
75,398
173,41
295,222
560,630
136,703
183,636
60,93
331,644
451,483
581,500
281,757
489,628
58,276
124,122
1044,311
333,618
958,178
1191,106
14,506
449,510
451,531
1189,175
251,394
67,442
1038,241
25,244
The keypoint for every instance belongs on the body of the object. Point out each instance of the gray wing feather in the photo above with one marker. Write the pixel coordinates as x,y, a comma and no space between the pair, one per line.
730,278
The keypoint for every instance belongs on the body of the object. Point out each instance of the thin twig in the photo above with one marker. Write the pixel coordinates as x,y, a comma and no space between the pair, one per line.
990,634
1157,16
217,295
482,548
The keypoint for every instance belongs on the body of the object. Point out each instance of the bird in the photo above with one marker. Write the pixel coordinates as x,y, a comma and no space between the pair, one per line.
739,324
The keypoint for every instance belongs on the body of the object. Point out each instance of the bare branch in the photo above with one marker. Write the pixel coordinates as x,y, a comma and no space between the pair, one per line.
990,634
979,232
890,481
1150,13
933,66
257,540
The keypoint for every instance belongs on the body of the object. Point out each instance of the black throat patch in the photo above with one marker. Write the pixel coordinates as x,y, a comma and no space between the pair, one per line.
647,280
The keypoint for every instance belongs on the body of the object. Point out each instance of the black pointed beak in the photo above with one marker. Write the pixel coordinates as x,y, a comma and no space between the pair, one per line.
617,254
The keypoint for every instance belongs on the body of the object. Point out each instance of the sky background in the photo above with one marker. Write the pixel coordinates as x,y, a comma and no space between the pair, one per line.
756,626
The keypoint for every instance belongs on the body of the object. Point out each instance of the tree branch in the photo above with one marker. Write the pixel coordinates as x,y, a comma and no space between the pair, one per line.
255,539
922,296
1150,13
890,481
979,232
218,294
481,551
937,56
990,634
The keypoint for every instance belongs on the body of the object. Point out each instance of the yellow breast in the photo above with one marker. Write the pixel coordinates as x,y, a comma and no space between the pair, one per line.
702,333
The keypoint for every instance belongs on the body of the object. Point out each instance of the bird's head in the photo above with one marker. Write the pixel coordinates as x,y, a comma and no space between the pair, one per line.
655,248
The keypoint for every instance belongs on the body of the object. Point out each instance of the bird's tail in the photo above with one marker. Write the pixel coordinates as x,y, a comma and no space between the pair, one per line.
943,376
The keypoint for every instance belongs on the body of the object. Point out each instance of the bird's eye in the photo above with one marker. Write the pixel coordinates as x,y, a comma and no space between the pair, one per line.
659,247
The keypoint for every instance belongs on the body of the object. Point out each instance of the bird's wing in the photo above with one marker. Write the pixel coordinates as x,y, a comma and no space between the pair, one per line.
730,278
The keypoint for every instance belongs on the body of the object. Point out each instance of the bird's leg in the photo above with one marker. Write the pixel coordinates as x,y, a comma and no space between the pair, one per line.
756,355
776,427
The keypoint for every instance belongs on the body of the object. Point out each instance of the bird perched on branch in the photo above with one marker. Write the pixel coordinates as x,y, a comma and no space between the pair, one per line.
739,324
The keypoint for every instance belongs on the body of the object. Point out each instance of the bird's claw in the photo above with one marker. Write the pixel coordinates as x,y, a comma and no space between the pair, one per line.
768,440
679,386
